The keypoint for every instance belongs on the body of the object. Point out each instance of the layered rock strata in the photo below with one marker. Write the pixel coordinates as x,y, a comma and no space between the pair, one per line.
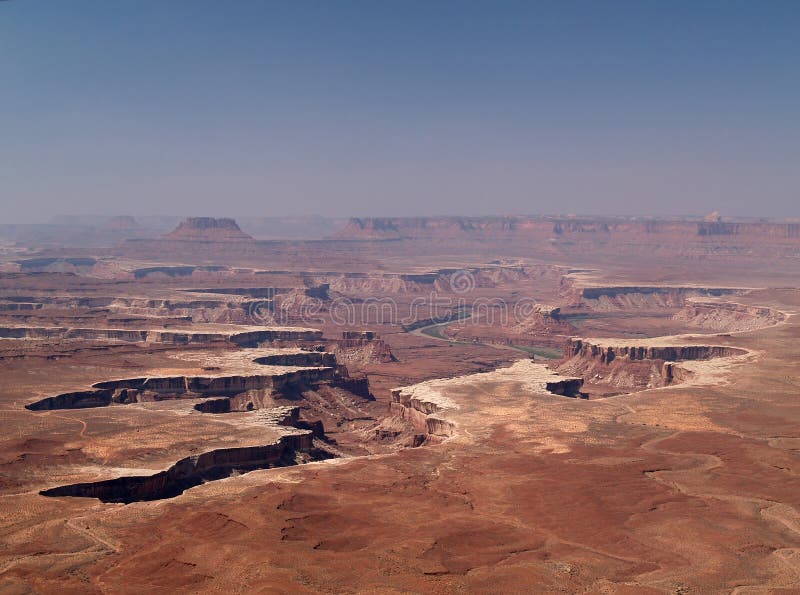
627,367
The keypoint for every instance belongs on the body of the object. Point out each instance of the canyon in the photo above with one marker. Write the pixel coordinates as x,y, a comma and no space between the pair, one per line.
445,404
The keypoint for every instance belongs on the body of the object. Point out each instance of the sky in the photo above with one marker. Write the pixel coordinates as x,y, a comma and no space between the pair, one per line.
252,108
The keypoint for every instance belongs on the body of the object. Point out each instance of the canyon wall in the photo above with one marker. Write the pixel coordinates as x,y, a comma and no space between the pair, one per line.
608,353
631,367
137,390
420,413
194,470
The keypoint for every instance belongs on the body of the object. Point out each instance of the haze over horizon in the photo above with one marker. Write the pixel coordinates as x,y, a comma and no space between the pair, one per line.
356,108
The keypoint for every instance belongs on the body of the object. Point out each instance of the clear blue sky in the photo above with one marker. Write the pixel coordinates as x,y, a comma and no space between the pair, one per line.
385,107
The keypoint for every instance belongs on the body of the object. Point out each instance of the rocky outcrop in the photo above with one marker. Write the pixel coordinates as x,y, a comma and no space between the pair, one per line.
208,229
421,413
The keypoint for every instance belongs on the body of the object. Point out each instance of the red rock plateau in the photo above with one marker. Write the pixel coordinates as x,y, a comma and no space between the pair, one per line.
491,405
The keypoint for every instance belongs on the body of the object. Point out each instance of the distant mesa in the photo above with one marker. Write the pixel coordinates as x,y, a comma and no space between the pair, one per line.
208,229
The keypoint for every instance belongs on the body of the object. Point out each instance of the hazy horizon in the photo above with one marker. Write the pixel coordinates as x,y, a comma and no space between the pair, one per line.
168,221
357,108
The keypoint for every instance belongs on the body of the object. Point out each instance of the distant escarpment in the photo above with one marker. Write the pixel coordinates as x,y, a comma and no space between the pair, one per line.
493,227
696,307
208,229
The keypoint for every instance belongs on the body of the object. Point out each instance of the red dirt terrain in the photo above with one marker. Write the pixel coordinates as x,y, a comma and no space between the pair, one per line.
409,405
